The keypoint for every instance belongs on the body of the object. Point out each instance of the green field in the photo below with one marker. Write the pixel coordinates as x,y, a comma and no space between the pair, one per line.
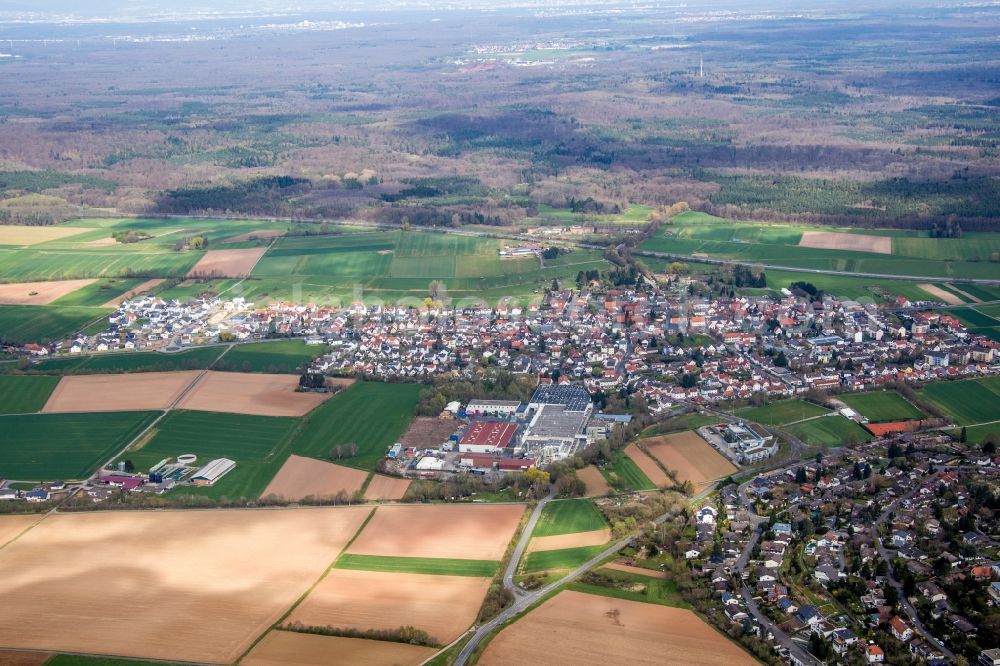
100,292
629,476
23,395
258,444
780,413
568,517
830,431
974,318
274,356
851,288
657,591
372,415
192,359
42,323
26,265
418,565
568,558
976,434
967,402
882,406
65,446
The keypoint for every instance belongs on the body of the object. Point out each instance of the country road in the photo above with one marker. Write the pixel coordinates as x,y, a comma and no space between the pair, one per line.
522,544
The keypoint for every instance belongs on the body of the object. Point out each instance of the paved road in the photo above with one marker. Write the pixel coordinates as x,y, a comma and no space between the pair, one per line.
522,544
903,601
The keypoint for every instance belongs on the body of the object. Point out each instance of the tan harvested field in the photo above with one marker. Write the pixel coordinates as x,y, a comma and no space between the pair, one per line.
443,606
145,286
386,488
13,658
118,393
287,648
174,585
560,541
832,240
648,466
302,477
262,234
428,431
11,234
941,294
597,485
11,526
228,263
458,531
690,457
38,293
251,393
588,630
628,568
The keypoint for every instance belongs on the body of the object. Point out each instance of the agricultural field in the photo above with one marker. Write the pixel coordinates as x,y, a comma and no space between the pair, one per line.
432,566
273,356
690,458
443,606
830,431
441,531
782,412
370,415
625,474
146,565
106,292
30,323
41,293
251,393
561,559
968,402
12,525
569,523
117,362
385,488
289,648
16,235
258,444
882,406
227,263
22,394
596,484
647,466
637,585
118,393
65,446
589,629
871,290
300,478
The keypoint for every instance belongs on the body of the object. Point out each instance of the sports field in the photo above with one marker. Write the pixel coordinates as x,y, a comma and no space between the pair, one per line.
300,478
371,415
690,458
21,394
967,402
289,648
780,413
258,444
273,356
29,323
116,393
443,531
882,406
595,630
64,446
194,586
443,606
830,431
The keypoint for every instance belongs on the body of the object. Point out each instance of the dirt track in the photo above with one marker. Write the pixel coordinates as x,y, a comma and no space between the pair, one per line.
583,630
597,485
558,542
386,488
462,531
227,263
251,393
832,240
116,393
174,585
285,648
302,477
443,606
39,293
11,526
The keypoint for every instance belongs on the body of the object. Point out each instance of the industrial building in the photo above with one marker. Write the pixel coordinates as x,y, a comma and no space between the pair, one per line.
573,397
555,433
213,471
487,437
492,407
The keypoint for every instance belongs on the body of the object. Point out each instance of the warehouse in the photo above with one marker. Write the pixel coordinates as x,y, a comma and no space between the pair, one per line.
573,397
555,433
492,407
213,471
487,437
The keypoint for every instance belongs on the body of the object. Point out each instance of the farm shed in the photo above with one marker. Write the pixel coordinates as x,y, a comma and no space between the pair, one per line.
213,471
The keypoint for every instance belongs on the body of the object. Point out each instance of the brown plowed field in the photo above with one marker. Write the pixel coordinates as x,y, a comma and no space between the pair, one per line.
302,477
194,586
12,234
648,466
227,263
428,431
287,648
251,393
145,286
597,485
941,294
11,526
584,630
449,531
119,393
560,541
691,457
12,658
39,293
386,488
832,240
443,606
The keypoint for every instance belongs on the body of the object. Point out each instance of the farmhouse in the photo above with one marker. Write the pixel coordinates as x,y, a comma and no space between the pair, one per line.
213,471
487,437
